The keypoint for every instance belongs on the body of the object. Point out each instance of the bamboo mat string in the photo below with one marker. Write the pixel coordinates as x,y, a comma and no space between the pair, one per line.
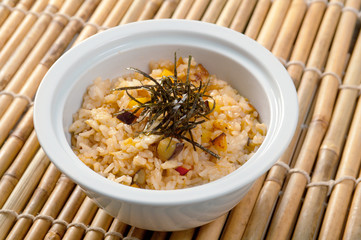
16,95
305,40
82,218
101,222
117,227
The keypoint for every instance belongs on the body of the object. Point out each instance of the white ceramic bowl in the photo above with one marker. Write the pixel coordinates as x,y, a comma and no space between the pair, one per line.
249,67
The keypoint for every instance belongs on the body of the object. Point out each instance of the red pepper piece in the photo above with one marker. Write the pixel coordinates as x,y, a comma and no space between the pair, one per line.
182,170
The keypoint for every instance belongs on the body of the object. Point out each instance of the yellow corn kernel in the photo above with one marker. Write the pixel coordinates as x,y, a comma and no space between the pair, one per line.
134,185
133,103
166,73
128,141
217,108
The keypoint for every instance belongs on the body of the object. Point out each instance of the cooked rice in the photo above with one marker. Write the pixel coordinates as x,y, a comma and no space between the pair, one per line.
116,150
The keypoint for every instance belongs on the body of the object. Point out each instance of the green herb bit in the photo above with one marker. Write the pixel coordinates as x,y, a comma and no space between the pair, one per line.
175,107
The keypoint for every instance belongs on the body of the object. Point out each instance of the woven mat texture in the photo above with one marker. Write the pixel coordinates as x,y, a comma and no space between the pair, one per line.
312,192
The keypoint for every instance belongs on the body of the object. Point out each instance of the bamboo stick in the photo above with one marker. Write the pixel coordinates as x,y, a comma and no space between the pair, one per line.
4,12
51,208
243,15
353,229
239,215
288,32
13,174
84,216
305,39
36,202
29,88
213,11
228,13
15,141
303,133
67,213
14,20
21,52
182,9
37,48
337,207
119,227
213,229
20,33
101,220
182,235
197,10
269,193
136,233
97,18
159,236
330,149
286,211
166,9
272,23
257,19
23,191
117,13
134,11
150,9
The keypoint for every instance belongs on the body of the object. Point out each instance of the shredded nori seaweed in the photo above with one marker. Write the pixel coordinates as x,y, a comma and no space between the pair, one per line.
175,106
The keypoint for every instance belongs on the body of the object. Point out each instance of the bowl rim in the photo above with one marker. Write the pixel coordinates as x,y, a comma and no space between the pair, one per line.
91,181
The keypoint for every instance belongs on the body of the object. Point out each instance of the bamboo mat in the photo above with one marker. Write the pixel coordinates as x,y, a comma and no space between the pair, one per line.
312,192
